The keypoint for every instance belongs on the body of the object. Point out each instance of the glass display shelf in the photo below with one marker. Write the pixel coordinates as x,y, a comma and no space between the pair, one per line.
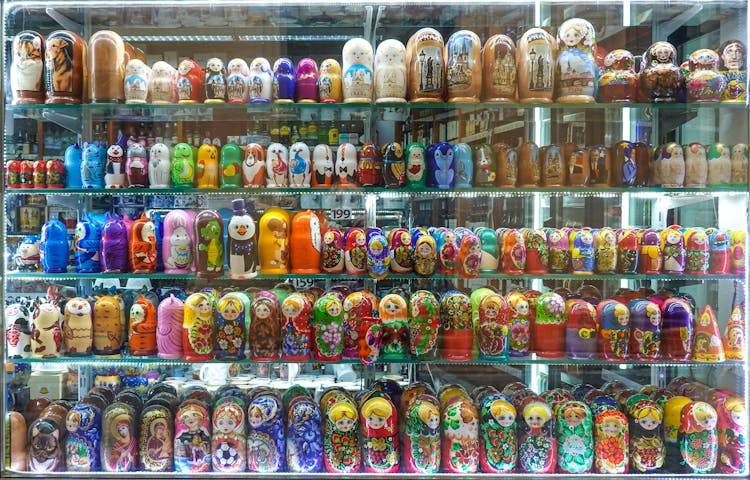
344,276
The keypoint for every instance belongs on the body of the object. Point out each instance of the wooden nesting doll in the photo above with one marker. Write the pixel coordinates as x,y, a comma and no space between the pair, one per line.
306,81
119,450
192,438
552,166
520,327
142,328
241,246
114,176
499,69
732,420
537,447
421,450
341,452
232,321
703,82
529,166
83,438
45,441
576,166
645,330
733,338
624,164
265,438
647,449
394,316
549,326
142,248
283,81
718,251
137,80
277,166
329,82
400,250
484,168
163,86
327,323
537,251
370,340
357,306
390,72
661,78
599,166
739,164
575,440
580,330
446,247
498,441
463,61
238,81
322,166
733,65
94,162
394,165
198,327
304,442
378,257
264,332
736,244
299,165
109,325
355,251
159,166
357,68
296,313
719,165
190,78
670,164
441,166
535,60
558,244
673,250
493,328
425,66
650,256
106,69
229,436
424,325
697,251
169,319
254,166
305,243
582,251
86,244
379,421
177,243
208,232
677,330
464,165
230,166
136,166
114,246
576,69
27,68
156,440
64,65
618,82
698,437
469,255
458,332
260,81
605,250
490,252
207,167
611,439
18,329
460,442
614,330
346,166
707,344
696,165
416,168
332,256
506,165
183,166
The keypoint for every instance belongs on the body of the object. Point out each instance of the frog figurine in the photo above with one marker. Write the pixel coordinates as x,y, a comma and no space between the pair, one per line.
183,166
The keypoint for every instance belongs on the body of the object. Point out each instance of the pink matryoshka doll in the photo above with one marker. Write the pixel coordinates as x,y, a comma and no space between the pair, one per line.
379,423
169,318
254,166
306,87
647,450
614,330
357,305
458,332
296,311
520,326
192,438
732,422
460,442
399,245
611,442
513,253
333,252
677,330
229,438
394,316
645,330
537,447
264,334
424,325
699,446
355,252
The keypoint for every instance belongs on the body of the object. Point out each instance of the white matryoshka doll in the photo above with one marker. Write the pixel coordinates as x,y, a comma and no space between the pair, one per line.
322,166
299,165
390,72
238,80
394,316
346,165
228,441
137,81
576,66
277,166
357,67
163,86
26,81
260,81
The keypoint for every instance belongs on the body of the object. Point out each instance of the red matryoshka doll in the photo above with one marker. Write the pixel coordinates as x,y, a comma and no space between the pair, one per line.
142,248
558,245
394,316
355,252
520,330
356,305
707,344
190,77
493,327
605,250
460,442
328,326
458,334
296,332
737,246
647,450
732,423
697,248
198,327
379,420
718,251
333,252
549,326
254,166
537,251
537,447
142,329
119,450
580,331
513,251
40,174
645,330
369,166
618,82
192,438
370,340
264,334
614,330
424,325
734,333
341,452
55,173
627,251
677,330
305,243
322,166
611,442
469,255
699,446
704,83
650,259
399,245
229,436
13,173
64,67
575,438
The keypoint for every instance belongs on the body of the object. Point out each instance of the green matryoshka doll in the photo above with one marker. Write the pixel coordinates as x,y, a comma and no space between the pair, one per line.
328,326
394,317
416,166
498,441
575,439
424,325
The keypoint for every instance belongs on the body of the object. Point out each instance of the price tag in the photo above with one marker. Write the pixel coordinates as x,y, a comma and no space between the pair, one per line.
341,214
302,283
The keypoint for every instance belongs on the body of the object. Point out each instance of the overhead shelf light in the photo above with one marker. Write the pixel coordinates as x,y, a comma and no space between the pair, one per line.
178,38
294,38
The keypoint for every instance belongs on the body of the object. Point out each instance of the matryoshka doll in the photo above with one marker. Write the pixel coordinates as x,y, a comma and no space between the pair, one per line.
506,165
718,251
27,67
484,166
169,317
39,173
704,83
457,328
400,249
520,330
142,248
605,250
677,330
357,71
159,166
424,63
114,176
549,326
142,328
369,166
296,312
378,256
582,251
346,166
737,246
673,250
490,252
441,166
577,165
719,164
355,252
645,330
390,72
462,57
260,81
697,251
177,243
136,166
493,327
647,450
535,60
650,257
273,243
611,442
322,166
192,438
329,82
137,80
672,412
446,245
537,447
394,166
553,166
394,317
696,165
513,251
183,166
207,167
420,436
306,81
424,325
83,438
618,82
739,165
264,332
575,440
106,67
357,306
698,427
661,78
53,247
707,344
464,165
499,69
229,436
18,329
670,163
733,339
537,251
198,327
469,255
156,440
119,449
190,78
614,330
64,65
254,166
576,67
109,325
332,256
86,244
529,165
460,442
369,341
327,323
232,322
379,423
283,87
45,440
559,251
498,441
732,422
265,432
416,169
340,433
733,65
305,243
624,164
599,166
230,166
208,234
163,86
238,81
580,331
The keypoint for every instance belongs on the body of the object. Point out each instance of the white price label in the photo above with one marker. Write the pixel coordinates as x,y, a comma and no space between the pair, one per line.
341,214
303,283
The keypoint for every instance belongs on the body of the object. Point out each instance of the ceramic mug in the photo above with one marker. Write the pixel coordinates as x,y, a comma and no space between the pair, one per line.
214,374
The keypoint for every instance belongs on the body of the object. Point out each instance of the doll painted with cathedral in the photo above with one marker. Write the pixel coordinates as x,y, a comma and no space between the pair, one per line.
577,70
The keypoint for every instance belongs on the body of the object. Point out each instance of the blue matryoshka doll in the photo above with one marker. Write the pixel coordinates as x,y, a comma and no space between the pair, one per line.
232,320
378,256
582,251
53,247
441,166
464,165
265,433
283,81
83,440
304,442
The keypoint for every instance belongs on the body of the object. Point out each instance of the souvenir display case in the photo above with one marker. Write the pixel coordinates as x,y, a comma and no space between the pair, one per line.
470,238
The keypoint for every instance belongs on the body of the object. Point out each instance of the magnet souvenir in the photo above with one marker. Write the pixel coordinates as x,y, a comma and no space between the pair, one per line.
169,319
329,82
232,321
230,166
355,252
93,163
357,66
618,82
733,65
190,78
77,327
183,166
577,70
199,324
163,86
137,80
241,244
64,64
305,243
261,82
27,68
299,165
614,330
283,81
109,325
703,82
142,328
322,166
142,245
661,78
441,166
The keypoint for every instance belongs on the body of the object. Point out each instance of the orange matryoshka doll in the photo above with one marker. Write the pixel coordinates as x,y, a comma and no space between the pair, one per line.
273,244
142,330
305,243
142,248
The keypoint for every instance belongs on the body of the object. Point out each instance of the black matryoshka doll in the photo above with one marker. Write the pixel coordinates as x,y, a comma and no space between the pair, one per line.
265,435
537,447
647,449
498,441
611,439
394,165
192,442
156,439
232,322
119,451
575,439
83,438
228,441
698,437
264,334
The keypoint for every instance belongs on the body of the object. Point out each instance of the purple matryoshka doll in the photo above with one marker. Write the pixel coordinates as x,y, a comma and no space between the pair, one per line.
378,258
296,333
261,81
673,250
177,246
192,438
169,319
614,330
677,330
611,439
520,329
333,252
647,450
661,78
580,331
582,251
497,434
537,447
265,432
424,325
441,166
575,438
83,438
355,252
559,252
304,443
306,83
457,334
650,257
645,330
400,249
447,250
732,442
328,326
394,316
698,427
264,333
356,305
493,327
232,321
229,436
283,81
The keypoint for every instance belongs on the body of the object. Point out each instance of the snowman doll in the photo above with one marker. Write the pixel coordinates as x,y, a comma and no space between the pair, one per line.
390,72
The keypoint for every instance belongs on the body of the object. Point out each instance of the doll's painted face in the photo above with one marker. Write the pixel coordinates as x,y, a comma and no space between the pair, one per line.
375,421
732,56
587,238
505,418
555,237
192,419
622,316
739,416
291,309
333,309
360,240
663,53
611,427
535,419
491,310
392,308
433,421
226,423
255,417
204,308
522,307
376,248
262,311
649,422
72,421
230,312
344,424
424,250
572,36
573,417
654,315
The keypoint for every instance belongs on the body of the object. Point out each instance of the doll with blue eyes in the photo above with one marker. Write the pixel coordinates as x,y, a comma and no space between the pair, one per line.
497,435
576,67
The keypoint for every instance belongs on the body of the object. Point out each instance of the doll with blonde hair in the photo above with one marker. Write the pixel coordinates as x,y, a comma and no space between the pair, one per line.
380,435
228,441
537,447
647,449
340,437
421,435
498,440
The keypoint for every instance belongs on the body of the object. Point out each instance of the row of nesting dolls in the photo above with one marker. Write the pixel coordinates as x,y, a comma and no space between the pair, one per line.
337,324
387,429
426,70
